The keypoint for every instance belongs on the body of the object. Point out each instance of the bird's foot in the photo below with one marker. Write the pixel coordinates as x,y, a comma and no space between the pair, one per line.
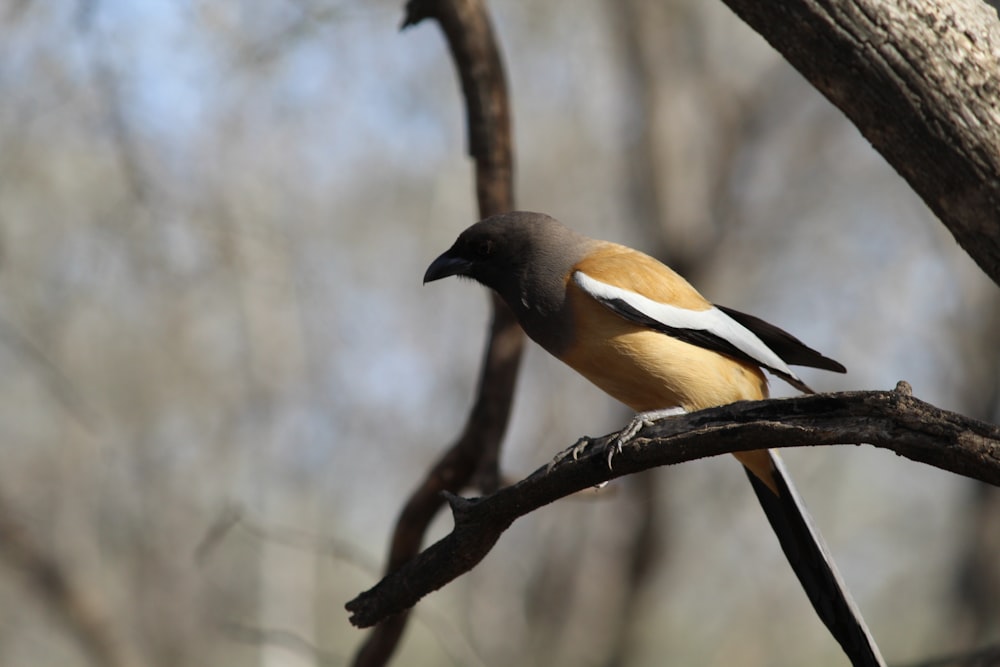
573,450
642,419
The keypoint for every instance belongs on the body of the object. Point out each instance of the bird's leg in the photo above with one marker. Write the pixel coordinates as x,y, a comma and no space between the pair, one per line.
634,426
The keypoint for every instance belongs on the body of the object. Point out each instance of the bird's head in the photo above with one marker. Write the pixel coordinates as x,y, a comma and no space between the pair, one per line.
506,251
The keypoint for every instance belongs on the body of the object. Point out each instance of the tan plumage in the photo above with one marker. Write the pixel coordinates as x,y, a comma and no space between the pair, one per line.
645,369
639,273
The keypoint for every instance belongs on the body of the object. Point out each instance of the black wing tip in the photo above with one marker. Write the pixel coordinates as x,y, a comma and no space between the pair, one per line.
817,360
835,366
791,350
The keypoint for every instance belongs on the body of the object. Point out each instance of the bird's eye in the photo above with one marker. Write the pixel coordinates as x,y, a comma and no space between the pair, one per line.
484,248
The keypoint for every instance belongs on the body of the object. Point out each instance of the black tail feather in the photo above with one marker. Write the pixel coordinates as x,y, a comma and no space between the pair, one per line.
813,565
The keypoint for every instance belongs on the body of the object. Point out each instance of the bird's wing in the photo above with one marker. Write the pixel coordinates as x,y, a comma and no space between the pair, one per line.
697,322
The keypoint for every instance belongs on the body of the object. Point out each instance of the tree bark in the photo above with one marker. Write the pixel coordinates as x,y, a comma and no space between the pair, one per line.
921,81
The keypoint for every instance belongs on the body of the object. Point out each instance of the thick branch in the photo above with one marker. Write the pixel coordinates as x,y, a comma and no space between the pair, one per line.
891,420
921,81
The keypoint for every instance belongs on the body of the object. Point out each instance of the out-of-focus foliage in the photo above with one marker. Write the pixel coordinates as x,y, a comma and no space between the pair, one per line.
214,217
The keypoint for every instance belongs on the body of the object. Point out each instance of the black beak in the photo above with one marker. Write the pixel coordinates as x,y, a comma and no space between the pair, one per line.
446,265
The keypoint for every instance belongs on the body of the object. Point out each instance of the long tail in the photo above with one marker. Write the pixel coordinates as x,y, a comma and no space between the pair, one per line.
813,565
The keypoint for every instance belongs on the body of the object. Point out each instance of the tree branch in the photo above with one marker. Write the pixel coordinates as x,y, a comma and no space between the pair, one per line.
474,456
920,79
891,420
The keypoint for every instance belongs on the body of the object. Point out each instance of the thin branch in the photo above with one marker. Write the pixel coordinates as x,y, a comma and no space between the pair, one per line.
449,636
475,454
891,420
66,391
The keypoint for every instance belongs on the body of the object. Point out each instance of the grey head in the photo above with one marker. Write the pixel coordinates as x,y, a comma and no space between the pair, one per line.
525,257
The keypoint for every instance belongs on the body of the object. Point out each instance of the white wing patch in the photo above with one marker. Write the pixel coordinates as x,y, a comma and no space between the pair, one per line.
712,320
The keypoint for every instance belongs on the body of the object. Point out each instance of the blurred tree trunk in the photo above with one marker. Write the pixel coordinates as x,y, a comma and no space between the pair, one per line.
977,581
71,602
976,587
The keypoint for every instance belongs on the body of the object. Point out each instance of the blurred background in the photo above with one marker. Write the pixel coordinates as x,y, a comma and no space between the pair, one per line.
220,376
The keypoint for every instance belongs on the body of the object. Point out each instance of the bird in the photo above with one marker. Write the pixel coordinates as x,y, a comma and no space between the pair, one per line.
640,332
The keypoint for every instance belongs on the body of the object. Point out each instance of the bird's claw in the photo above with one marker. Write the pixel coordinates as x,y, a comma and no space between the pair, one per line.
573,450
638,422
625,436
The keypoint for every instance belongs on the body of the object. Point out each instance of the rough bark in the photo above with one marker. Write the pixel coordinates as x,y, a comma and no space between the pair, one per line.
921,81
